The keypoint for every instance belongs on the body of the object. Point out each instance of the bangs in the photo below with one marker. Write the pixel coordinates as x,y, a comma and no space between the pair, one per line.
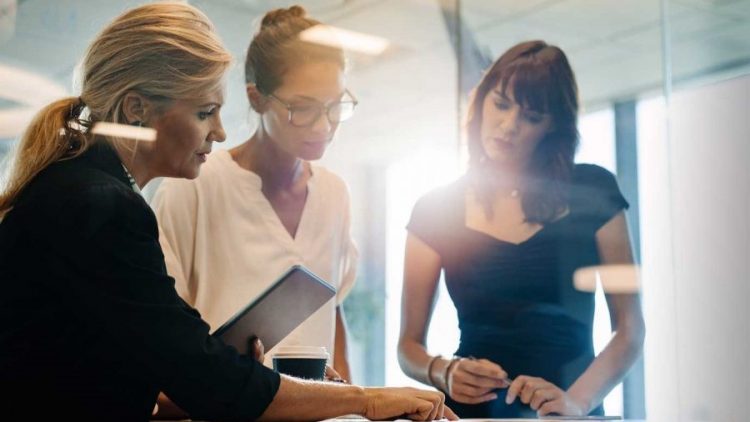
531,84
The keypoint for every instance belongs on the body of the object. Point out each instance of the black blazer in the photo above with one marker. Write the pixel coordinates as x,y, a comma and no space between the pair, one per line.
90,323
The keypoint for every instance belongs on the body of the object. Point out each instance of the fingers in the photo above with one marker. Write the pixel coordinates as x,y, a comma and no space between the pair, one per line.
464,377
438,400
529,389
259,350
458,389
437,408
468,385
516,387
542,395
554,406
422,412
539,394
483,368
331,374
449,414
462,398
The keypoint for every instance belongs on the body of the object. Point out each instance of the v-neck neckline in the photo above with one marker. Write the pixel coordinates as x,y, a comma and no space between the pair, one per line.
276,218
498,240
271,217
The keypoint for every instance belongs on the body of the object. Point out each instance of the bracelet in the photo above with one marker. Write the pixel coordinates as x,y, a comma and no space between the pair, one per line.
447,373
429,369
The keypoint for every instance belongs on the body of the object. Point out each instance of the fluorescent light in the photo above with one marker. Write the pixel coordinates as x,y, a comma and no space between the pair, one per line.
624,278
124,131
14,120
348,40
27,88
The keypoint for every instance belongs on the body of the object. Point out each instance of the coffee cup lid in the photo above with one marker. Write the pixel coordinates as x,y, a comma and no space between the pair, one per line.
302,352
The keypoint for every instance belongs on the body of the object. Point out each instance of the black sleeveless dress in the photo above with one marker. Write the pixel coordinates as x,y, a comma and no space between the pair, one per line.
516,303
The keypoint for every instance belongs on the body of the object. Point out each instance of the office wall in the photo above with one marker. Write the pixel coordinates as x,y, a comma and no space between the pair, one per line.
695,192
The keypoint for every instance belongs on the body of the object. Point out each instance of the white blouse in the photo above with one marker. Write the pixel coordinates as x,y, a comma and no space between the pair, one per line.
224,244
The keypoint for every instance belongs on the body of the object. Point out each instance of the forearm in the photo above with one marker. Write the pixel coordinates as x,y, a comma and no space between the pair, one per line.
300,400
608,368
341,366
415,362
340,356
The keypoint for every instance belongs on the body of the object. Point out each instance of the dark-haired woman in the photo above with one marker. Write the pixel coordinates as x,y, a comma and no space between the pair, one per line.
508,237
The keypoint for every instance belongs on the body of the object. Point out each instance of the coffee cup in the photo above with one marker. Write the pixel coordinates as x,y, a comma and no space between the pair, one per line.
307,362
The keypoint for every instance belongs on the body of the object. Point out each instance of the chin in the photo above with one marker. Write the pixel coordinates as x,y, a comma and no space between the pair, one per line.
498,158
189,173
312,155
193,174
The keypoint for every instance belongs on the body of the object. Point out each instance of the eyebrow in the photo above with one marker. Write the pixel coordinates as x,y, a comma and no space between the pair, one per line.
305,97
501,95
210,104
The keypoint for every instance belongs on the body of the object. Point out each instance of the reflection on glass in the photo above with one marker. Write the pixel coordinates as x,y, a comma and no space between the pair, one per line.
614,279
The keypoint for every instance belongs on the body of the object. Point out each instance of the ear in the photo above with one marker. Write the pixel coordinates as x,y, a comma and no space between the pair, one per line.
257,100
136,107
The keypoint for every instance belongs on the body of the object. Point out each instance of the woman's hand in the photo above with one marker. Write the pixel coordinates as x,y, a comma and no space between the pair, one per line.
544,397
256,350
333,376
410,403
474,381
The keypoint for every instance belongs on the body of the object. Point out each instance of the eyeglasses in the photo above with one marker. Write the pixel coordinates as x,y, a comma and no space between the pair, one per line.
307,115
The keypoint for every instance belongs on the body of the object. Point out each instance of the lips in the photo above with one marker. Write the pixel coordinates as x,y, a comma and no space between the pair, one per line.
202,156
315,144
502,142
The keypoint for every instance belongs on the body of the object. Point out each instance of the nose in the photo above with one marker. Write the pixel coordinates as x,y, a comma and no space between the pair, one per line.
217,133
322,125
509,124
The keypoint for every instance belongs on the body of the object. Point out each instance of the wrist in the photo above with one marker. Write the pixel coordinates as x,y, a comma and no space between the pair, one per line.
450,366
431,374
580,401
359,397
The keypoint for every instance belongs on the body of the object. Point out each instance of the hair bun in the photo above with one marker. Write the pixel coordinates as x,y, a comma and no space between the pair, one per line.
278,16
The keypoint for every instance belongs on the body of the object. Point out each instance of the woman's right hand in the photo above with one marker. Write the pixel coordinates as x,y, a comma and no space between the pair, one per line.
255,349
473,381
410,403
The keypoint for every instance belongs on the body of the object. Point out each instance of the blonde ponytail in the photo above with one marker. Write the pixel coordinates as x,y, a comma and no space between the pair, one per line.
53,134
166,51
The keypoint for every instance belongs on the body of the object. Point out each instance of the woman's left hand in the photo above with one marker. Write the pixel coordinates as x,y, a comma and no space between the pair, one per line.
544,397
332,375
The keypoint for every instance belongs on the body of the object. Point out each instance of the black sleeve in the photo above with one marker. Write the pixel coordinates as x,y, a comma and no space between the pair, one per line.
597,193
108,243
429,218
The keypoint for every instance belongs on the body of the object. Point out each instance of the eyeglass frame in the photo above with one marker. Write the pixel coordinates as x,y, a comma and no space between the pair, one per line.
320,107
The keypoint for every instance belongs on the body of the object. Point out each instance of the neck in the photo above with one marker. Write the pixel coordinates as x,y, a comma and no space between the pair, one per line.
276,168
135,160
505,180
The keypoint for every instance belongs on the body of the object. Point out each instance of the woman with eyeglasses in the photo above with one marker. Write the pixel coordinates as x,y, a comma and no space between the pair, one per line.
262,206
91,327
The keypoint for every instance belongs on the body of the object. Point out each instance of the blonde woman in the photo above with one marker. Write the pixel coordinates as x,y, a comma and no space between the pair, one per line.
91,325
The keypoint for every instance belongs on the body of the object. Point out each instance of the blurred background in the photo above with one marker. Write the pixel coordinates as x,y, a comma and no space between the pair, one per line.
665,88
